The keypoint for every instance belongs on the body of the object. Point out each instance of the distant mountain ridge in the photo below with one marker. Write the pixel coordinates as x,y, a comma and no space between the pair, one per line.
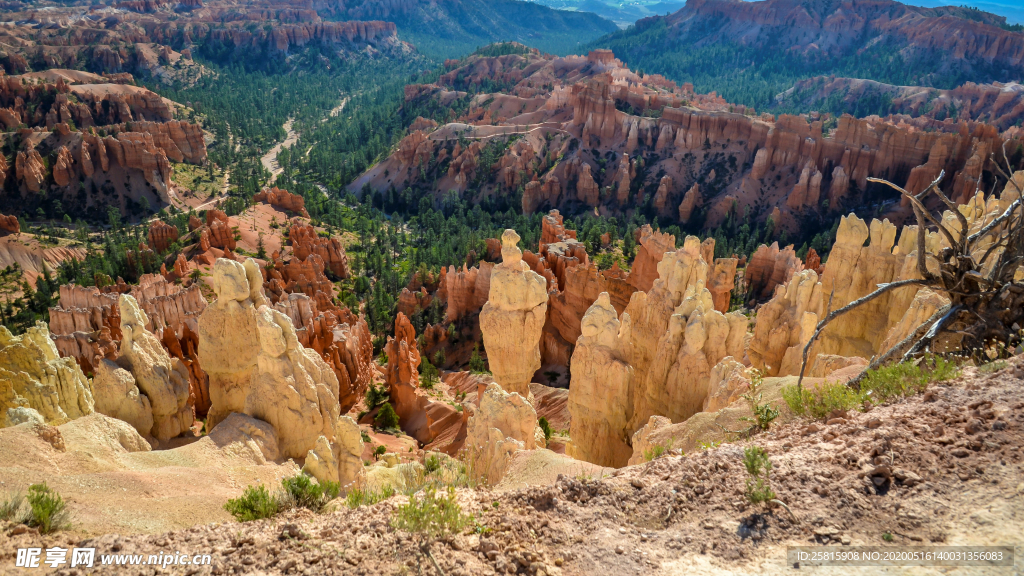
751,51
453,28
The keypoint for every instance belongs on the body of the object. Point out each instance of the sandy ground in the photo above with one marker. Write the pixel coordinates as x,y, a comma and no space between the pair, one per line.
942,467
112,489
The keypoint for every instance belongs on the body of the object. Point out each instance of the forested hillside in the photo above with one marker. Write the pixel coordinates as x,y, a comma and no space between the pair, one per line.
751,51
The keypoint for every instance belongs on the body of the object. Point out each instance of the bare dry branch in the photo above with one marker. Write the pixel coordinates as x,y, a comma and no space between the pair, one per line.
882,289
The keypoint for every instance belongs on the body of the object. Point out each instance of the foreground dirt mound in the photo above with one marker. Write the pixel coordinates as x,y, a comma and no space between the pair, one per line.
942,467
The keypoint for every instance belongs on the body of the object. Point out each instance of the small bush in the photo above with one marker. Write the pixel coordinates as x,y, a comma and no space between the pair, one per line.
878,386
10,506
543,423
358,497
764,414
431,516
887,536
375,396
477,364
759,467
991,367
657,451
300,491
255,503
47,510
364,436
379,451
432,463
386,418
822,401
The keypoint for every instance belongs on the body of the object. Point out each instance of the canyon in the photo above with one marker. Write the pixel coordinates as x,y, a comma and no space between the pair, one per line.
586,133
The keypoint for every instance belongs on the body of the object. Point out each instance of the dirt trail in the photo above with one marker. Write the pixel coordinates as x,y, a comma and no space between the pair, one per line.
269,159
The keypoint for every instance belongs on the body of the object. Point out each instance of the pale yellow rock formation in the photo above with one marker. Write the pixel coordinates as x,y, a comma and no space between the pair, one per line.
728,381
825,364
339,461
600,394
228,340
503,424
118,396
513,318
696,339
650,311
33,375
163,379
294,389
253,439
403,477
257,366
785,324
644,443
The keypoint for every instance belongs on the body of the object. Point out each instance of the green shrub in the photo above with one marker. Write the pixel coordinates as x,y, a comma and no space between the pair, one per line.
428,374
358,497
991,367
375,396
10,506
300,491
477,364
543,423
432,463
379,451
759,467
47,510
877,387
820,402
255,503
386,418
906,378
658,450
764,414
431,516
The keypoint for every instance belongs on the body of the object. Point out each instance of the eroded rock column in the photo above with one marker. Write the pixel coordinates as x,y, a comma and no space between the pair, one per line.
513,318
600,394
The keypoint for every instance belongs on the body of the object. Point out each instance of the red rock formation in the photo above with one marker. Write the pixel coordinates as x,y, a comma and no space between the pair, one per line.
653,246
466,290
86,324
662,196
9,225
306,241
29,169
770,267
721,281
587,191
339,337
186,349
283,199
220,233
691,200
161,235
813,262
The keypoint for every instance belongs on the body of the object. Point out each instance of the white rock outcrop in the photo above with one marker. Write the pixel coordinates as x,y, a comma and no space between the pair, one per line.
228,338
339,461
33,375
503,424
118,396
513,318
162,378
600,395
257,366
